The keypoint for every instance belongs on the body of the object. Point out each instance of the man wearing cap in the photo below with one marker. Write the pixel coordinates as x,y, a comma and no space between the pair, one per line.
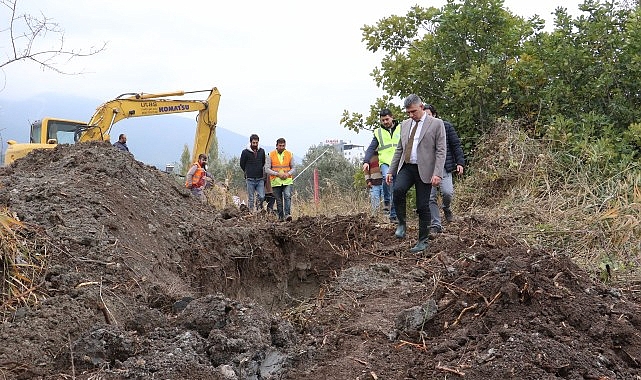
384,142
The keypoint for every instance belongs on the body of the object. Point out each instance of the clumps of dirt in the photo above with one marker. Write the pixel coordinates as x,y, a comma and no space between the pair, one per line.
143,281
213,335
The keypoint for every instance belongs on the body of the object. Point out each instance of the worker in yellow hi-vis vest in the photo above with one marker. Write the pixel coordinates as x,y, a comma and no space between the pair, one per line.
279,165
385,140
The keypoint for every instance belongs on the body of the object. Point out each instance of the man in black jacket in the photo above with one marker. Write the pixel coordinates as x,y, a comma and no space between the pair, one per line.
252,161
454,161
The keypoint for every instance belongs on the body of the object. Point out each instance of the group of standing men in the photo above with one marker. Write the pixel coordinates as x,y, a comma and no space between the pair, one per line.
422,151
269,177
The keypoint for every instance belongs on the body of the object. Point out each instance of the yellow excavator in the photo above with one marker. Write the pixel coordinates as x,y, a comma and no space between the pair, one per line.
48,132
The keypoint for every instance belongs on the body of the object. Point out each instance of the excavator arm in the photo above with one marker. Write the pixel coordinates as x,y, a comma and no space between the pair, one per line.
49,132
138,105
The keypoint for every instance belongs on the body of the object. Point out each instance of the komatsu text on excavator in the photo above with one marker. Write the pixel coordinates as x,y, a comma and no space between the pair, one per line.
48,132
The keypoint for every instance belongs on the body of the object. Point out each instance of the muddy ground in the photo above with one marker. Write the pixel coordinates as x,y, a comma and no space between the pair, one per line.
137,280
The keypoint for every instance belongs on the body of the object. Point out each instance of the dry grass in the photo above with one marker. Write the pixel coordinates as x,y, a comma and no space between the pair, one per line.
219,196
332,203
24,261
572,209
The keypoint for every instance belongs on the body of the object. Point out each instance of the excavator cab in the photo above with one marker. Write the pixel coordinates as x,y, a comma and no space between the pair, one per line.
56,131
45,134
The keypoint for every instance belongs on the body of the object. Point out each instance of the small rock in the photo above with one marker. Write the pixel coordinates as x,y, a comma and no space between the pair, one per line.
227,371
181,304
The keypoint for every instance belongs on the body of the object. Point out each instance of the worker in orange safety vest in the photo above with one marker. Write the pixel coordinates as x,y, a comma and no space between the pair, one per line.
279,164
197,177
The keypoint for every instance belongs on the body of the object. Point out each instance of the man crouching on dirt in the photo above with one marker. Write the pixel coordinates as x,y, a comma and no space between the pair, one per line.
197,177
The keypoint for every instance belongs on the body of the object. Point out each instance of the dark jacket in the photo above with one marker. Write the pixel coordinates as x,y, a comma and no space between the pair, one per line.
121,146
252,162
454,154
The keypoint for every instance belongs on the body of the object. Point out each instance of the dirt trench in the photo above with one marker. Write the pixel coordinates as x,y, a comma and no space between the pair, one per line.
138,280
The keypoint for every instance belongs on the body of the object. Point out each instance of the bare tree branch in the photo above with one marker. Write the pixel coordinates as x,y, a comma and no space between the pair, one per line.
26,31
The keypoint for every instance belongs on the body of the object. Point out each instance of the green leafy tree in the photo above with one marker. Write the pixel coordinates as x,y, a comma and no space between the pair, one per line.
335,172
586,83
213,150
358,122
477,63
455,57
591,64
185,161
228,172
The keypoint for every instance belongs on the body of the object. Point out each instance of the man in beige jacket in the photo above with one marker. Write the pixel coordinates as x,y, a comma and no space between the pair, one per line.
418,161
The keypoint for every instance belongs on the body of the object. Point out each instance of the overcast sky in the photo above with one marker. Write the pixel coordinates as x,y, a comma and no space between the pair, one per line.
284,68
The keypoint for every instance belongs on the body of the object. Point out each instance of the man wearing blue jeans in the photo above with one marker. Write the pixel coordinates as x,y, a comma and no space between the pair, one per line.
384,142
374,180
280,167
252,161
454,162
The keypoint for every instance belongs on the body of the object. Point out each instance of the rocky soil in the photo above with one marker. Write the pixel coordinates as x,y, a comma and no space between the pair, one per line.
135,279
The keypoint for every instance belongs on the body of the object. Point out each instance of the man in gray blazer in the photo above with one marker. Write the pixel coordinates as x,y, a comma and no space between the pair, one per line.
418,161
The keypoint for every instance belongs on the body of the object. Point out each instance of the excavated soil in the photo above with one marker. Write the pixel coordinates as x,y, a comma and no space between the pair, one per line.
138,280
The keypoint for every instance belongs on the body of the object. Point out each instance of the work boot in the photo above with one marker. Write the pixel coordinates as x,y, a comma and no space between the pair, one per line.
448,215
423,237
400,228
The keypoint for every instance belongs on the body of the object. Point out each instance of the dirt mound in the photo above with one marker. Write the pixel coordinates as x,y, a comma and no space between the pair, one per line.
142,281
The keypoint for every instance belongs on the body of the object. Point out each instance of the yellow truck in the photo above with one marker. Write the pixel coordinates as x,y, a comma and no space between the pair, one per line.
48,132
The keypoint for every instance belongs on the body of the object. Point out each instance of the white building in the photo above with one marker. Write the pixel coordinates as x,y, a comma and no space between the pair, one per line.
351,152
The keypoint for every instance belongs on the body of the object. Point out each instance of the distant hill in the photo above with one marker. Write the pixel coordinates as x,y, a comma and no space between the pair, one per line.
154,140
